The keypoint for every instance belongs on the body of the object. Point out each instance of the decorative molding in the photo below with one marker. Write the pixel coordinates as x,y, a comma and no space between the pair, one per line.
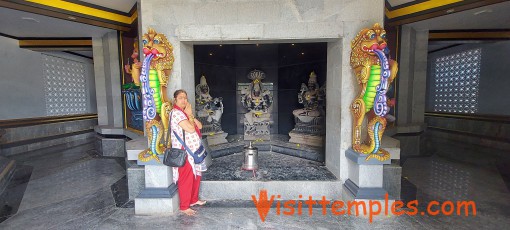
479,117
14,123
423,10
435,35
61,43
76,11
440,129
41,139
417,7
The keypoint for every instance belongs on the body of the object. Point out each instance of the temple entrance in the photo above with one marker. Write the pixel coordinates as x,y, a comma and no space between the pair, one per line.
286,84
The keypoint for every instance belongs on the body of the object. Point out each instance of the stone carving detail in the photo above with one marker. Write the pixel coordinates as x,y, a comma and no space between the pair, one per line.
132,92
310,120
257,100
209,111
374,73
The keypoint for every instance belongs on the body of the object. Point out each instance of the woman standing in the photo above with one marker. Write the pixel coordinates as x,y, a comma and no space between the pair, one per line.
188,176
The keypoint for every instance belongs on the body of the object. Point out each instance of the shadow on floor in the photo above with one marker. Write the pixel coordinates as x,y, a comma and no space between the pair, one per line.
11,197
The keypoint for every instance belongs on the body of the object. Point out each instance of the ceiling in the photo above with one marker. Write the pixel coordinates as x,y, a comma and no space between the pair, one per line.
120,5
22,24
394,3
495,16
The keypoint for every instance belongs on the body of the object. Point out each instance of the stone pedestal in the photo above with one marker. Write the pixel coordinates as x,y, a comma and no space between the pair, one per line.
110,141
150,183
216,138
160,194
392,172
308,131
256,127
110,145
365,180
135,173
392,179
306,139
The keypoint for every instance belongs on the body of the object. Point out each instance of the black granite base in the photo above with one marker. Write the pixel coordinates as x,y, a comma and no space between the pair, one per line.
120,193
278,144
272,167
409,191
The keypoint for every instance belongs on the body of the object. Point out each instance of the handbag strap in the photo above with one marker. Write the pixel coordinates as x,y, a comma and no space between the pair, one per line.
170,128
183,143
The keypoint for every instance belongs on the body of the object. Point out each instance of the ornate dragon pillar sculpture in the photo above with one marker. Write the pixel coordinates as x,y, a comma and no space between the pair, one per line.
154,76
374,73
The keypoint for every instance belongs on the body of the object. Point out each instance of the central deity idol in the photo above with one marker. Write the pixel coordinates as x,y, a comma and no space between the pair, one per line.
258,101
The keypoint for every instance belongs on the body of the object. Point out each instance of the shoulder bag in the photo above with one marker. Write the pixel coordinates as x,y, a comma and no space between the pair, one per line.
174,157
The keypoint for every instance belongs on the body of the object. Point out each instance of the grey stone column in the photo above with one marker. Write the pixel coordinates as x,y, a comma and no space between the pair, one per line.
107,77
412,77
108,95
412,88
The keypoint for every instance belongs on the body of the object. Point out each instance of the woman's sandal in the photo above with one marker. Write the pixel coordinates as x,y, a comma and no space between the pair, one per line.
200,203
189,212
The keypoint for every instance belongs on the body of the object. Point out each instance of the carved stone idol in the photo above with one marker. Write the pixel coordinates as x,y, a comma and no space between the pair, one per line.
310,128
209,111
257,100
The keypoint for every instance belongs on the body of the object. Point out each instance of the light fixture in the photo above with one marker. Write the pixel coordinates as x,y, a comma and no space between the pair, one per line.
30,19
483,11
210,54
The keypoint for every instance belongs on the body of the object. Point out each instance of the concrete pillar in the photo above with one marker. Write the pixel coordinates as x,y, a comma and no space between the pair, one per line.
411,90
107,77
412,80
333,107
108,95
99,77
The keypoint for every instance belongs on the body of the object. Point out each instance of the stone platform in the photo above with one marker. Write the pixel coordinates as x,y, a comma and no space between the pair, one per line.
278,144
279,174
285,169
272,167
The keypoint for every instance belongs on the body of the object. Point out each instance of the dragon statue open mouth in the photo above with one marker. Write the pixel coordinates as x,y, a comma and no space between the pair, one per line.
154,75
374,73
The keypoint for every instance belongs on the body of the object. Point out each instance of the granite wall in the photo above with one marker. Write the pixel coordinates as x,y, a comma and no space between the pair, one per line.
286,65
27,138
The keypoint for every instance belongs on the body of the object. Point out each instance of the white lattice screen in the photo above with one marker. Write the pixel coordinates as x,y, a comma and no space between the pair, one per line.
456,80
65,86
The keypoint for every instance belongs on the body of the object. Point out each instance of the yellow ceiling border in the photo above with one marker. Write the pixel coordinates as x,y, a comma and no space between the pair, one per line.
419,7
86,10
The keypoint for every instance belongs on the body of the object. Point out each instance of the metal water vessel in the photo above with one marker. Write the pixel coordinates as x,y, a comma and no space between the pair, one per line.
250,158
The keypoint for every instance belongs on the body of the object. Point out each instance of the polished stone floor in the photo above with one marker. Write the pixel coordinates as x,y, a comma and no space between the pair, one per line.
73,188
272,167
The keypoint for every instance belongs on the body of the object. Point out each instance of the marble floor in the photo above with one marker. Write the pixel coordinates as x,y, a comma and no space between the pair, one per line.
74,188
272,167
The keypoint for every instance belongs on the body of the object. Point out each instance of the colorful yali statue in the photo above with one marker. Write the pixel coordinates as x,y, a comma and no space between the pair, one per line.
374,73
155,72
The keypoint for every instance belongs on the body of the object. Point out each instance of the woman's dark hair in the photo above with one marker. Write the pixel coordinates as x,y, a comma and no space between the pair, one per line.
179,91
